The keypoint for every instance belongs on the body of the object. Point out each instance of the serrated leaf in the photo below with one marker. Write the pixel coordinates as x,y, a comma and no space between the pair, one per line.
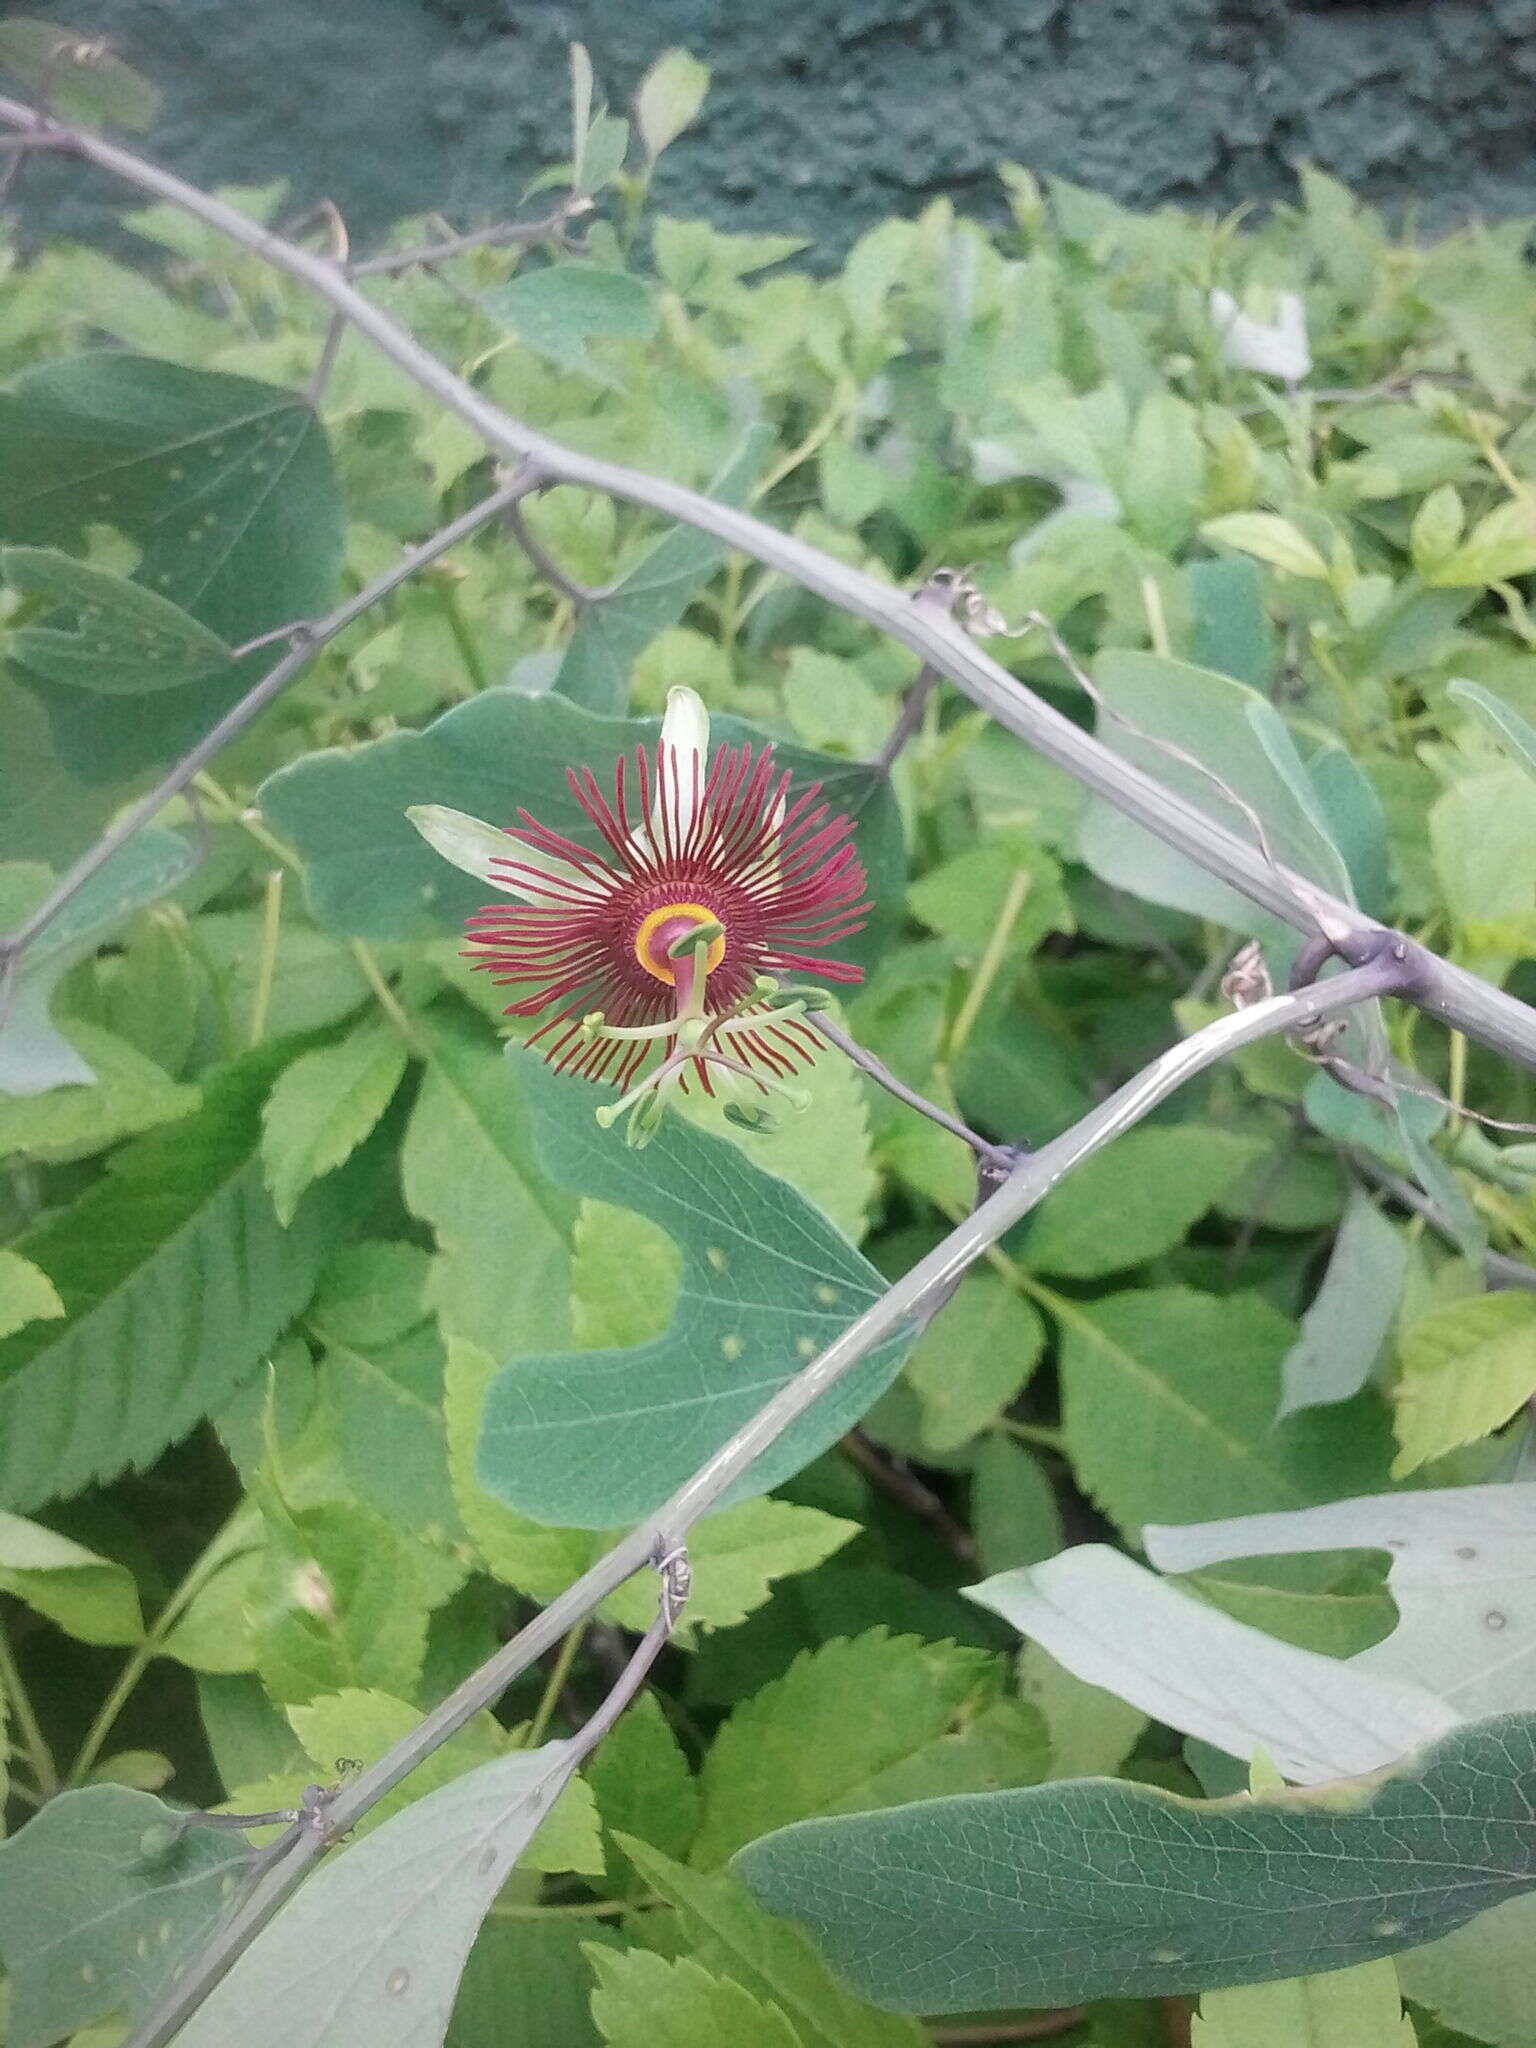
172,1267
669,98
1126,1206
727,1932
223,483
127,1094
930,1719
529,1980
1352,1313
361,1726
98,1903
1357,2008
388,1397
613,632
737,1555
1097,1889
372,1948
971,1361
323,1107
370,874
27,1295
1169,1397
337,1604
588,1439
1114,1624
641,1781
641,1999
90,1597
34,1055
1014,1514
121,640
1465,1369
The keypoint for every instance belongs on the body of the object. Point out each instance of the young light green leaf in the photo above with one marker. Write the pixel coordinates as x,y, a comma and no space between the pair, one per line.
34,1055
668,101
1501,545
1352,1313
1357,2008
642,1999
973,1360
1271,539
91,1598
1126,1206
737,1555
931,1719
642,1783
121,640
373,1947
556,311
323,1107
174,1269
370,875
728,1933
100,1898
1114,1624
591,1438
27,1295
1517,732
128,1094
1096,1889
1436,528
1465,1369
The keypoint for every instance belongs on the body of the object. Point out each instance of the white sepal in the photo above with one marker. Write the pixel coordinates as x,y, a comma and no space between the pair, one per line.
480,850
1276,348
685,734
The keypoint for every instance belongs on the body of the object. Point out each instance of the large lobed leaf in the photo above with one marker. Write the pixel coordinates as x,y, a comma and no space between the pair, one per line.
594,1438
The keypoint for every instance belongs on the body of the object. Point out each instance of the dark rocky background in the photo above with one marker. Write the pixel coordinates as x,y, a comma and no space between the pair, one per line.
825,115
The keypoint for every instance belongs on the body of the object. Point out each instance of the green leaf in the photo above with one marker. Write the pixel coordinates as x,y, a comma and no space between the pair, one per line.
1271,539
1481,1979
1352,1313
965,898
128,1094
1169,1398
33,1053
78,77
225,485
736,1557
1436,528
323,1107
971,1361
1114,1624
614,631
388,1398
1013,1507
89,1597
370,874
930,1720
593,1438
337,1604
669,98
364,1726
557,310
1482,833
99,1900
121,640
1501,545
528,1980
642,1999
176,1277
1121,1209
1465,1370
1096,1889
27,1295
373,1947
728,1933
1091,1731
1358,2008
641,1781
1517,732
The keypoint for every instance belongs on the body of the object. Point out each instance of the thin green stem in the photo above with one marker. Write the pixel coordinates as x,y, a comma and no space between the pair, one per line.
559,1672
463,639
34,1742
1041,1433
991,960
266,959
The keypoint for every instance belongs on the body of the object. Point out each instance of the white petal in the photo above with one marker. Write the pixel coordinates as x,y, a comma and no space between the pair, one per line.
1276,349
480,850
685,731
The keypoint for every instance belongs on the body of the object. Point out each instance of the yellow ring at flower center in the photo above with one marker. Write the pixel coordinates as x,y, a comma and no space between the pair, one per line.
652,939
